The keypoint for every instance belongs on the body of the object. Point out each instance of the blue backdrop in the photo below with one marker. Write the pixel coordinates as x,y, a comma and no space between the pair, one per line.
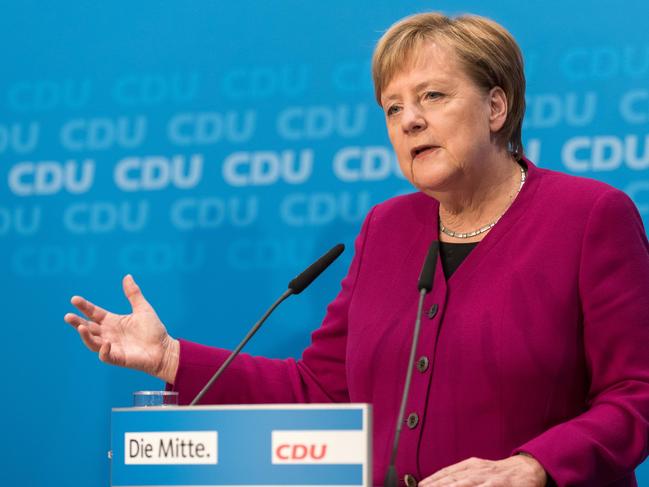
215,149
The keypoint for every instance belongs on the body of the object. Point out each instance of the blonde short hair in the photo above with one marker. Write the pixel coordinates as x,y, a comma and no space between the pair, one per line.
486,51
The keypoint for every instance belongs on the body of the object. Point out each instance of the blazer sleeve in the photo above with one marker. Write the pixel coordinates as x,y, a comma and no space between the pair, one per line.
319,376
609,439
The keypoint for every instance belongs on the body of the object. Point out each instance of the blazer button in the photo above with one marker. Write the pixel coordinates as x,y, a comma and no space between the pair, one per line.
412,420
432,312
410,480
422,364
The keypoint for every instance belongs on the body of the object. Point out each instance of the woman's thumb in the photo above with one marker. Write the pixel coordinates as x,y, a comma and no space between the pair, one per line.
134,294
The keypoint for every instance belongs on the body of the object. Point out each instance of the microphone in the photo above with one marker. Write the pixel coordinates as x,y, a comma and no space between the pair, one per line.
424,285
428,270
296,286
300,283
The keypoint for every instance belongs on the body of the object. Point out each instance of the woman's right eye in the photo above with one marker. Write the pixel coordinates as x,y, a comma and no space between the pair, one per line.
392,110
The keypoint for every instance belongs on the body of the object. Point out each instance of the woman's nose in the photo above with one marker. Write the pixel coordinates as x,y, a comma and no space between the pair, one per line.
413,119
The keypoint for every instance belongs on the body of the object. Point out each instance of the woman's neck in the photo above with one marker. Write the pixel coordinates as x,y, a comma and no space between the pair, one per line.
480,198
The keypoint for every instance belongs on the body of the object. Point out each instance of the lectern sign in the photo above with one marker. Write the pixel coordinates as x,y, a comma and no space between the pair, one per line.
170,448
263,445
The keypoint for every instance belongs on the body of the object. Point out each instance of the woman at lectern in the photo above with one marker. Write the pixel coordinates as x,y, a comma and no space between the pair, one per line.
532,364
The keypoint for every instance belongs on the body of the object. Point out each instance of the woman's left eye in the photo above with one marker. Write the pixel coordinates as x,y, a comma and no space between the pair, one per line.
431,95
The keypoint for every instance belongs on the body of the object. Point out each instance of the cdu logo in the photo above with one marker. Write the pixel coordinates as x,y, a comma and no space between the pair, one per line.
351,164
155,89
550,110
154,173
605,62
19,138
320,208
320,122
36,96
51,177
103,133
606,153
264,82
20,220
318,447
263,168
210,127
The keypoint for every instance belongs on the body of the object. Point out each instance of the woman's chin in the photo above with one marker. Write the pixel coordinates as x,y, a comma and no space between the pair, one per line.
431,182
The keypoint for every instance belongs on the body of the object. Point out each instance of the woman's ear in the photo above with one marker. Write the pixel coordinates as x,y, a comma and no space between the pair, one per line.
497,108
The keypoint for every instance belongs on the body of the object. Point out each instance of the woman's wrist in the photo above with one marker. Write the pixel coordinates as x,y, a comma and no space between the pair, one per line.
536,469
170,359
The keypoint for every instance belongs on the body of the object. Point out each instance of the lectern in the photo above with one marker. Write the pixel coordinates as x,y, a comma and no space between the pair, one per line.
252,445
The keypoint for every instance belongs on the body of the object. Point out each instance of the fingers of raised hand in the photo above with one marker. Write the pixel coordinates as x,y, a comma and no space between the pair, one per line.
93,342
89,309
89,331
111,354
74,320
134,294
104,352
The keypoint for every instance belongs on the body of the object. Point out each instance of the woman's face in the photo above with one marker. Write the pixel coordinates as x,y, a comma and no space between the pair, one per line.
439,122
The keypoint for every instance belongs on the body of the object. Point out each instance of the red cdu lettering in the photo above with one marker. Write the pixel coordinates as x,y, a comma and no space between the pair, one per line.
280,449
299,452
320,455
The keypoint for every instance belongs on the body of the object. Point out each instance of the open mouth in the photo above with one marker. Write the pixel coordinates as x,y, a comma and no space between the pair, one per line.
422,149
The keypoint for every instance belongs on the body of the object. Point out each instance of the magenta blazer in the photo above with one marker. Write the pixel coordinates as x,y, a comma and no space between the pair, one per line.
539,342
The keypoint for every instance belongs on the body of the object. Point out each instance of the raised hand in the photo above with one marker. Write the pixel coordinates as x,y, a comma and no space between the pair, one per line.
138,340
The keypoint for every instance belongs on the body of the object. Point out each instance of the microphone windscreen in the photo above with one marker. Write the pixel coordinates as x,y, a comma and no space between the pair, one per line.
301,282
428,271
